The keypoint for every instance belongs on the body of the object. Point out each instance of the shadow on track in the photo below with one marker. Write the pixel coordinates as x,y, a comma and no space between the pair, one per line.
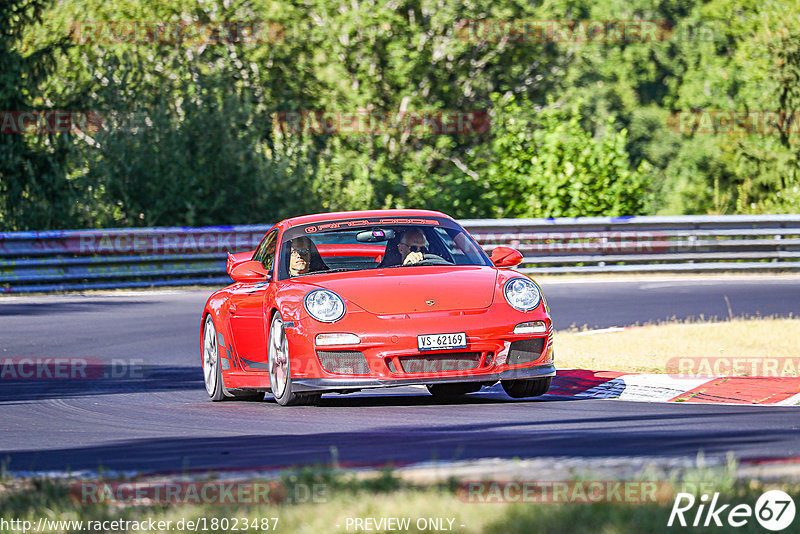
54,306
598,437
100,381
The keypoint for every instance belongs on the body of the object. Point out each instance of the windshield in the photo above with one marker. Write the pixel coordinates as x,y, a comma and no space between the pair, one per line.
375,243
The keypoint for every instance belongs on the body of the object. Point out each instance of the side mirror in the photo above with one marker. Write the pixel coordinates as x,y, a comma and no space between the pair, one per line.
506,257
239,257
250,271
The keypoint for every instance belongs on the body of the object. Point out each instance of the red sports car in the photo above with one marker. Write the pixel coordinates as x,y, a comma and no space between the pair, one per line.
340,302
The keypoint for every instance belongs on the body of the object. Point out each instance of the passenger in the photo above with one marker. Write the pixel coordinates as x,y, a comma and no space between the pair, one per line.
304,257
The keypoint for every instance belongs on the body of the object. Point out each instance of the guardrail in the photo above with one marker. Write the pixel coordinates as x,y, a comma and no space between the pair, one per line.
144,257
647,244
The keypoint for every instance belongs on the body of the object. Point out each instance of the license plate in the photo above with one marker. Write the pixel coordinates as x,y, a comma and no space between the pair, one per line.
442,341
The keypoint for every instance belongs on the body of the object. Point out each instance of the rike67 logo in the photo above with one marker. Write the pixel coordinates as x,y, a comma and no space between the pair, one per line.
774,511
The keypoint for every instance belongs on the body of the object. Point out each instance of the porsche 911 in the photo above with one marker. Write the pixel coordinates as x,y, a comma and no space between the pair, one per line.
341,302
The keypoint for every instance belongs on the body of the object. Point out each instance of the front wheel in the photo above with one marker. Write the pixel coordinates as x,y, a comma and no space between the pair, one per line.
280,376
519,389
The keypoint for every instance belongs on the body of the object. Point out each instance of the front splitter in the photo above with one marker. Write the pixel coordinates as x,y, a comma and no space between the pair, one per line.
329,384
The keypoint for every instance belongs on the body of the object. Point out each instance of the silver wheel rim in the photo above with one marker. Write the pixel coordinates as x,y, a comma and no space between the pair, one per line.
279,359
210,356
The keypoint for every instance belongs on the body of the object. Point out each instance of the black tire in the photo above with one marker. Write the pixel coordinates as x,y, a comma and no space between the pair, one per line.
280,375
450,391
519,389
212,370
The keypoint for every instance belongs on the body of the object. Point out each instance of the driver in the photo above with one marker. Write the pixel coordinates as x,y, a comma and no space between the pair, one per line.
412,246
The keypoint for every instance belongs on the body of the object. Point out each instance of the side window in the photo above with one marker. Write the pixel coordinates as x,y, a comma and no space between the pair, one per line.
458,255
265,253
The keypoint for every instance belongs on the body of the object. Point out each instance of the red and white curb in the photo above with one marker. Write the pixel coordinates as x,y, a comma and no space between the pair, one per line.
584,384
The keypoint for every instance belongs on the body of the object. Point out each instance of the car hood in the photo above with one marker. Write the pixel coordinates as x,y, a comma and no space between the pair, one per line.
415,289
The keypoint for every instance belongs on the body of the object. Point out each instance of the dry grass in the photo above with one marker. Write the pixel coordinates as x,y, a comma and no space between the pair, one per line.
648,348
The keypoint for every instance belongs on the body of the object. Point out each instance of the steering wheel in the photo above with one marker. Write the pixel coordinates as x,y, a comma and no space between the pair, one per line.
432,259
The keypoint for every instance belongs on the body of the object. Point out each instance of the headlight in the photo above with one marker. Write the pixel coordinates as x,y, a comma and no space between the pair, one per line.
522,294
324,305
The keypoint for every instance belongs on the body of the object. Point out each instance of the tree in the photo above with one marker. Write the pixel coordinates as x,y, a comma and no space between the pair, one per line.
34,190
542,163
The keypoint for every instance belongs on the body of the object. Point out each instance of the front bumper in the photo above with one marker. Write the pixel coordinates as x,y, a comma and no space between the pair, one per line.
388,342
333,384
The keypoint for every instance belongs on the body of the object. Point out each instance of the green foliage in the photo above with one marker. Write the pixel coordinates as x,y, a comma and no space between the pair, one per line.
544,164
197,160
748,63
578,128
34,190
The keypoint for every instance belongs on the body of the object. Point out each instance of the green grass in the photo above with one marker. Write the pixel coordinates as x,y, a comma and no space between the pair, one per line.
385,494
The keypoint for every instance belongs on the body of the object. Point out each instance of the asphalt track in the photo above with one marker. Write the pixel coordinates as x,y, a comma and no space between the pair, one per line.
160,418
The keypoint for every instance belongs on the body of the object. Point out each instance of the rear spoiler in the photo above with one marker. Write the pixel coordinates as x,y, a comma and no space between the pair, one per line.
239,257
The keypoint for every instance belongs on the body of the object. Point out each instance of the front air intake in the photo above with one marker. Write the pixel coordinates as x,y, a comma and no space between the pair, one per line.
343,362
437,363
525,350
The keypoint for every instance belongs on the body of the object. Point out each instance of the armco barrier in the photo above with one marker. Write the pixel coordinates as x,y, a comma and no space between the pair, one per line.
120,258
647,244
142,257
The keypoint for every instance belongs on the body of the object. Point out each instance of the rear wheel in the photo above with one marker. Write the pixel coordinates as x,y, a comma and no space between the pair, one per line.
527,388
280,376
449,391
211,371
